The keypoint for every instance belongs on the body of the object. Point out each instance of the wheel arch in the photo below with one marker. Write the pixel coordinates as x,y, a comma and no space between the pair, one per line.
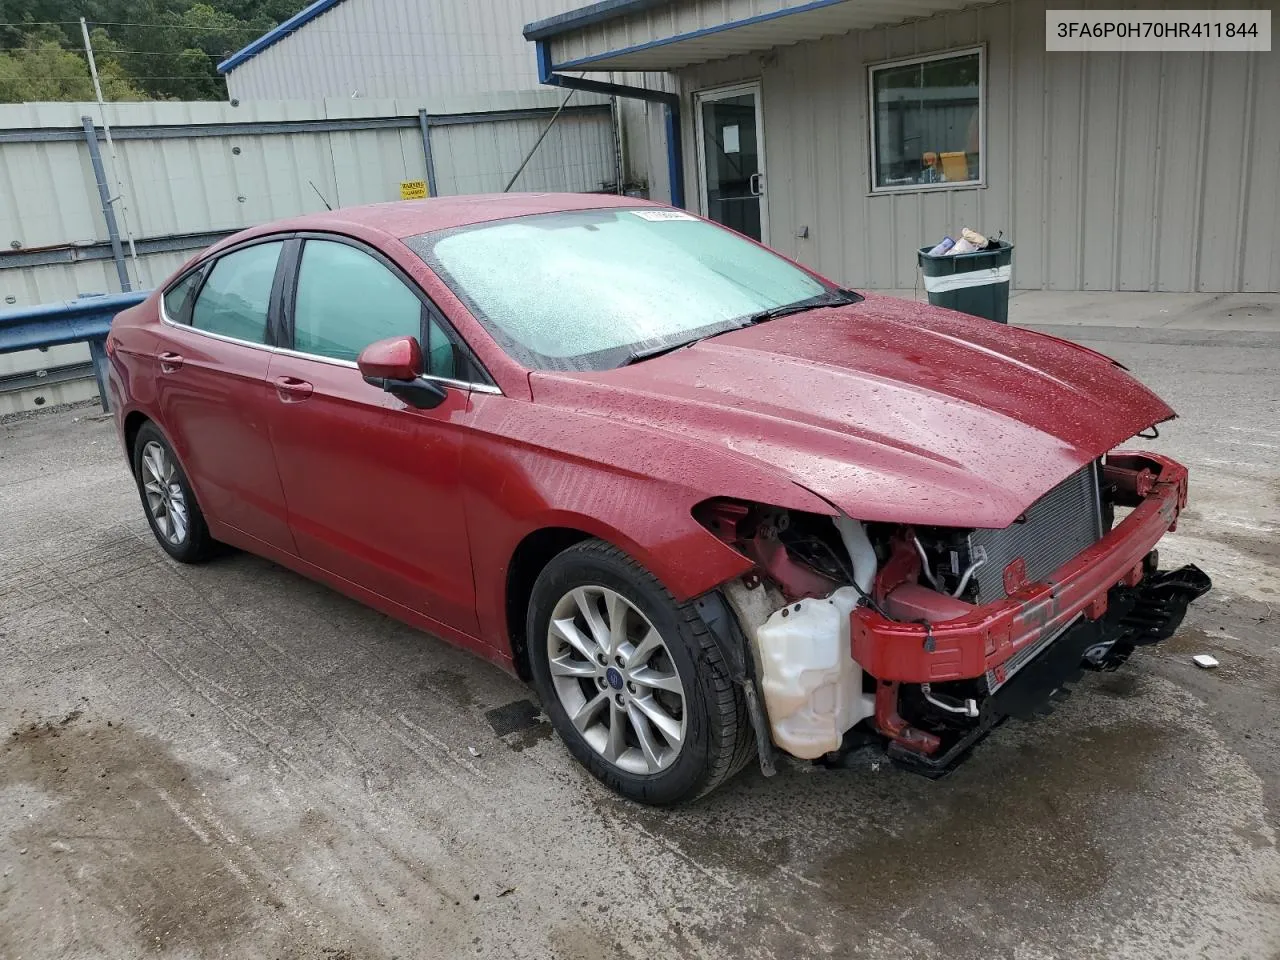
688,561
133,422
530,558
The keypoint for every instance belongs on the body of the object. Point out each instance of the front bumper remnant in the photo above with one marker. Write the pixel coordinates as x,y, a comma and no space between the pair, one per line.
987,636
1146,613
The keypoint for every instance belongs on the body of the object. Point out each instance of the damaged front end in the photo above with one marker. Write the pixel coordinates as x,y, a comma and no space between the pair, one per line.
925,638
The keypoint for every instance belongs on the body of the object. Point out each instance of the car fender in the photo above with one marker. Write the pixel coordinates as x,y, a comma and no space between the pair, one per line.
514,487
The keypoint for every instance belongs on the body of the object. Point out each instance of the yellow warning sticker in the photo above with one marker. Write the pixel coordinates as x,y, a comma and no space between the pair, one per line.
413,189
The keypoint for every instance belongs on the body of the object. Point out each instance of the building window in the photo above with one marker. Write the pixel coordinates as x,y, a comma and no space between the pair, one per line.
926,121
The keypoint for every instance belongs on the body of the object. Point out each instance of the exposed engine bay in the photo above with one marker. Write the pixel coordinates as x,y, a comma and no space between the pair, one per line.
924,638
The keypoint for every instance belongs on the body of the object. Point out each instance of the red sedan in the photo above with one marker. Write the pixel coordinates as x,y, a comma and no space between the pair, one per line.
711,504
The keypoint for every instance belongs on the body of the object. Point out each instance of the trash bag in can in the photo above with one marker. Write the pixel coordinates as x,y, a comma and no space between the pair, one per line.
973,283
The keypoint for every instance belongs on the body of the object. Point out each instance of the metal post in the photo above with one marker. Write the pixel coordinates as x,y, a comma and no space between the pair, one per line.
425,122
534,149
547,74
675,153
616,117
104,195
98,354
111,147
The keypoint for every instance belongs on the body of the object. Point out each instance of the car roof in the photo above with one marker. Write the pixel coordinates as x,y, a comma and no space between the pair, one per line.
408,218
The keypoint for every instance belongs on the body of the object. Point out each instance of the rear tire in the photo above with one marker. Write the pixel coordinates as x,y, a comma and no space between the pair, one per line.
658,718
168,500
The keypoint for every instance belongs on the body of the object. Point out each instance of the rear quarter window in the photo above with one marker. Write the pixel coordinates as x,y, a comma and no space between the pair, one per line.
177,296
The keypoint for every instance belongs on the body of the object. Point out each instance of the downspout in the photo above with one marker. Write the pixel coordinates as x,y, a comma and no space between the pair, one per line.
424,122
675,170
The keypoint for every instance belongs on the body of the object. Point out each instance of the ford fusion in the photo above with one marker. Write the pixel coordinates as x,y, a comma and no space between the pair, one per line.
712,505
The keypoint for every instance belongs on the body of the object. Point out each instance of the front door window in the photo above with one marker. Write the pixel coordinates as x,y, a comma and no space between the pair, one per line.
346,300
732,159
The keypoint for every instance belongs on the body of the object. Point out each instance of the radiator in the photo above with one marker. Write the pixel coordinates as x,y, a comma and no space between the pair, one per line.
1055,528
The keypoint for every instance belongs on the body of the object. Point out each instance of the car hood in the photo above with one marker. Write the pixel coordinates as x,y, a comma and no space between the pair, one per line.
889,409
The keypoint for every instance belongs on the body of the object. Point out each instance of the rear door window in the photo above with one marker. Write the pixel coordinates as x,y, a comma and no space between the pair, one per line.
236,299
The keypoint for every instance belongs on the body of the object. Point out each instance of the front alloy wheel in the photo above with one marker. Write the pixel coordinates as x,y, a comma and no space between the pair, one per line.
633,680
616,680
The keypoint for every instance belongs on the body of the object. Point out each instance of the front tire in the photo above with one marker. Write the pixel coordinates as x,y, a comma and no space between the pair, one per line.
632,680
168,500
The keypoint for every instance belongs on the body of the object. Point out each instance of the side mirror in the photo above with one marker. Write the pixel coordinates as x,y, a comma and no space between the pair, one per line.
399,358
396,366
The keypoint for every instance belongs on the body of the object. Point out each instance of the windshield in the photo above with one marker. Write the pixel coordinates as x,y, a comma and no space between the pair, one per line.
591,289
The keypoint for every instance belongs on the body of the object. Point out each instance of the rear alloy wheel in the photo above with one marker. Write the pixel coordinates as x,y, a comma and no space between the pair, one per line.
166,502
632,680
171,507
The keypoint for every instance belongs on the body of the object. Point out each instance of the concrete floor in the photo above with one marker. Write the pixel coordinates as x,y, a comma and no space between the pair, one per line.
232,761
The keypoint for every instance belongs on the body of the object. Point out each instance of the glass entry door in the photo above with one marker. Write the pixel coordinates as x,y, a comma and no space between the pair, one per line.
731,159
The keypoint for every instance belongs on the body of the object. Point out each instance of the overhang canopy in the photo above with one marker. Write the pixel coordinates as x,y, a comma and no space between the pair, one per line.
664,35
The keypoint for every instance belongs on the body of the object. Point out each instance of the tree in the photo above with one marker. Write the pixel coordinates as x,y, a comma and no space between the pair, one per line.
43,70
163,49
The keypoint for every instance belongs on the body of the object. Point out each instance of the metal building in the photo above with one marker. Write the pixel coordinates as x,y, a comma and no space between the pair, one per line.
363,49
391,48
848,133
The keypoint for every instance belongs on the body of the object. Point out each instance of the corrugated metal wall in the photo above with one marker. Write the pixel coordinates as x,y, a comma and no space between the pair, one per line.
400,48
577,155
181,185
408,49
185,185
1142,171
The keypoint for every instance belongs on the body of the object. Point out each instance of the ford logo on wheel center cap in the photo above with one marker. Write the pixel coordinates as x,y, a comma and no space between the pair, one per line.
614,678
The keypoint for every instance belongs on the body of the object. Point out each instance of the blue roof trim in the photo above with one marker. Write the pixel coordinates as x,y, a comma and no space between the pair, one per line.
694,34
279,33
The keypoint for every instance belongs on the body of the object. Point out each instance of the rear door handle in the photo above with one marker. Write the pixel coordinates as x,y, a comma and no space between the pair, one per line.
170,361
292,390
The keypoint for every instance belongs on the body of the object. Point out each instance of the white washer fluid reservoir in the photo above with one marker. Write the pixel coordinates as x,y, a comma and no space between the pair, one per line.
812,686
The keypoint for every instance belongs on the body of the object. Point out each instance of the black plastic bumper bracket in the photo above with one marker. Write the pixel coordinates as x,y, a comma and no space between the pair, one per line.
1136,616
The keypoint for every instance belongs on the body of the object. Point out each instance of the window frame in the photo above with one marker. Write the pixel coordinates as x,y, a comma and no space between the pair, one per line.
429,311
754,86
205,268
872,68
184,314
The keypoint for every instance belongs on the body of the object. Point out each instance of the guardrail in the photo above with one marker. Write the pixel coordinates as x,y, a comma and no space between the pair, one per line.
86,319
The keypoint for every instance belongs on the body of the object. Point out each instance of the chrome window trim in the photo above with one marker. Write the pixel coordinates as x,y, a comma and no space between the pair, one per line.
332,361
464,385
164,317
319,358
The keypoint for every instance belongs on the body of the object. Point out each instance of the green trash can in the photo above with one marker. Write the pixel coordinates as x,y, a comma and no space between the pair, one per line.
973,283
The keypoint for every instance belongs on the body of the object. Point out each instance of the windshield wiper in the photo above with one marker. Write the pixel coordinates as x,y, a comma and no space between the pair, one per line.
650,352
835,298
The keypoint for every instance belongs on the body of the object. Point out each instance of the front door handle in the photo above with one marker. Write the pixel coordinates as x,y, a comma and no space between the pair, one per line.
170,361
292,390
756,184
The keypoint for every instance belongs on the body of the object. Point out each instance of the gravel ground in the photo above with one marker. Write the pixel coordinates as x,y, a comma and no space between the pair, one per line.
232,761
